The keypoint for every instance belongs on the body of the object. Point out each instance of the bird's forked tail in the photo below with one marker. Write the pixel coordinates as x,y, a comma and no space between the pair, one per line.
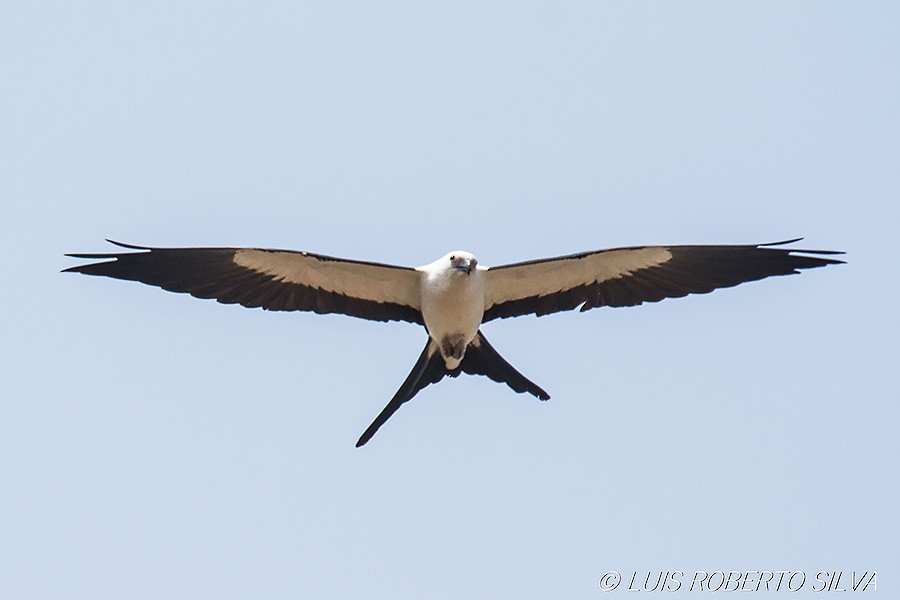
480,359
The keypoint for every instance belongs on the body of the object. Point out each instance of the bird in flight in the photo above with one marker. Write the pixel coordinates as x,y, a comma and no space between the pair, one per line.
452,296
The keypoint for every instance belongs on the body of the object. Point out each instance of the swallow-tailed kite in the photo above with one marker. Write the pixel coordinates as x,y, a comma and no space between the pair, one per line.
453,296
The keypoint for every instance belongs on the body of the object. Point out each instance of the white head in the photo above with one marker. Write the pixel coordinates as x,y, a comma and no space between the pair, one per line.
459,261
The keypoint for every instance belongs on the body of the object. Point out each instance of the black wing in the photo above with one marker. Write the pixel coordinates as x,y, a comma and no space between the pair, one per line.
631,276
270,279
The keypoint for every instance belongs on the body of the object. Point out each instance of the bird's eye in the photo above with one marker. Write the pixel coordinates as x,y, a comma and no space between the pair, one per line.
452,257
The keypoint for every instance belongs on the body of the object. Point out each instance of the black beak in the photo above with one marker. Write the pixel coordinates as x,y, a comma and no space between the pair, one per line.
467,266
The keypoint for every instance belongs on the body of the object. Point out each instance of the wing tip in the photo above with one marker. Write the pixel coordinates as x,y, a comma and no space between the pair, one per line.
804,251
128,246
782,243
99,255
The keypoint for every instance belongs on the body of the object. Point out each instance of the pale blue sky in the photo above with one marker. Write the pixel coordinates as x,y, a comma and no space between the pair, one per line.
157,446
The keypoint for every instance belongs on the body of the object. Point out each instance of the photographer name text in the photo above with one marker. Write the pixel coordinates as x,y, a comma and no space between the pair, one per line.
739,581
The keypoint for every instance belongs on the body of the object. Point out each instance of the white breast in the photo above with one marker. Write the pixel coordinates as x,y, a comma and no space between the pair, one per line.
452,307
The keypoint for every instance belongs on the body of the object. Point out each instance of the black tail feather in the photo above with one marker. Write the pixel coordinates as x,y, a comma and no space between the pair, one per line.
428,369
480,359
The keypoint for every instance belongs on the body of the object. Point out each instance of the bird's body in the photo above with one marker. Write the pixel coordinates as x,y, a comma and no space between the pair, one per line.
452,303
453,296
